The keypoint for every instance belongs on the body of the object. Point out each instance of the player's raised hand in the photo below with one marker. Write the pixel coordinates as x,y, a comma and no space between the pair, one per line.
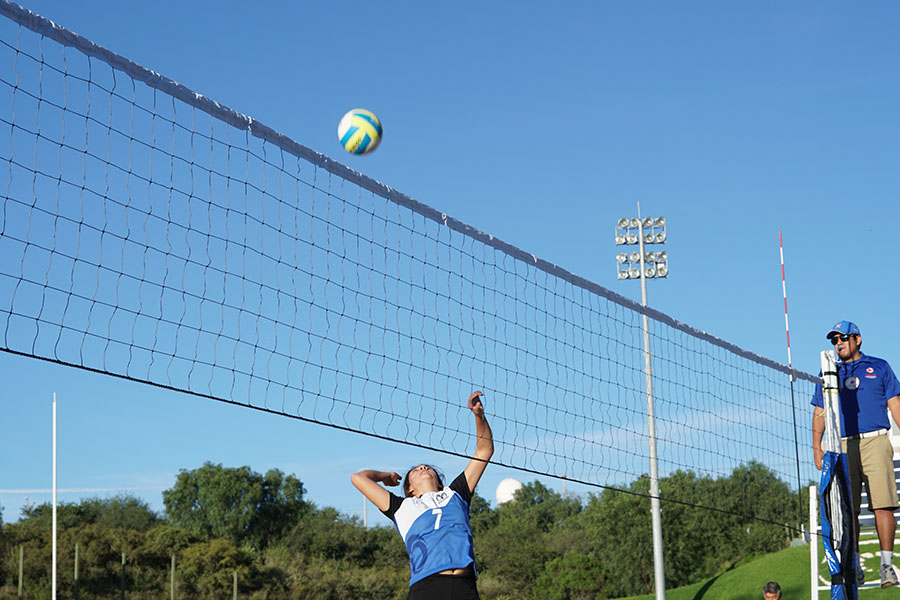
391,479
475,404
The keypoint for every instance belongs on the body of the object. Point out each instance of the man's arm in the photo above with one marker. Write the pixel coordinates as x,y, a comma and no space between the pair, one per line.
894,407
818,429
484,449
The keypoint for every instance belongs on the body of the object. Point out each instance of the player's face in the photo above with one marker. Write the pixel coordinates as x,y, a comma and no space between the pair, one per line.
846,346
422,479
770,596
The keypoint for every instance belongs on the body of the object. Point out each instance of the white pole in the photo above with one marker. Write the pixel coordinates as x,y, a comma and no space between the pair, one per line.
655,515
54,498
813,544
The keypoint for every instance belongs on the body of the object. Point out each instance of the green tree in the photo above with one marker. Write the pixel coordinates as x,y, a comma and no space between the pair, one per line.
697,543
387,549
618,526
122,511
165,540
326,534
320,579
516,548
208,568
237,504
573,576
481,516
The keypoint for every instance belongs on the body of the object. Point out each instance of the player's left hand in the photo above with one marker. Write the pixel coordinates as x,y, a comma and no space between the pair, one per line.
475,404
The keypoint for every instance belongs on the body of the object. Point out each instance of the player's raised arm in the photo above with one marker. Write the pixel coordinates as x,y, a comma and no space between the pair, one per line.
484,449
367,480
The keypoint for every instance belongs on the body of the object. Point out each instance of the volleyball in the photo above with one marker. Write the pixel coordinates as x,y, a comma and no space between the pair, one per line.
359,131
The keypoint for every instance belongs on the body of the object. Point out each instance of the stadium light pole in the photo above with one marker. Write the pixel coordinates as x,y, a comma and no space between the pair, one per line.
649,265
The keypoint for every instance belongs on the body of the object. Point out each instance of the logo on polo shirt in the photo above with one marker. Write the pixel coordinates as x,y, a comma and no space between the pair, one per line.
870,373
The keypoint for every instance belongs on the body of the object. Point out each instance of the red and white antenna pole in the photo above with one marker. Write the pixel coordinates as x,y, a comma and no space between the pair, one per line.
787,329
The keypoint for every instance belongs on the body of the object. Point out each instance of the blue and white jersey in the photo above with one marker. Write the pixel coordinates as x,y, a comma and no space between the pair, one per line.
435,528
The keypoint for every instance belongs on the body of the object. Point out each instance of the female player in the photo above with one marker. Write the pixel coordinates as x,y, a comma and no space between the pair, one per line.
433,520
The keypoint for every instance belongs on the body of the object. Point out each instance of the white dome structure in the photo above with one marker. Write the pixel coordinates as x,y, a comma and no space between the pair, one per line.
506,489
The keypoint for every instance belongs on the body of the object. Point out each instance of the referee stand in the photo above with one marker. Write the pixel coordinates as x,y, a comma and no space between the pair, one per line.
868,537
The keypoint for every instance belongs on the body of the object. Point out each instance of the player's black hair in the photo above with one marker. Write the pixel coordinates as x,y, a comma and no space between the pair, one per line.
772,588
440,478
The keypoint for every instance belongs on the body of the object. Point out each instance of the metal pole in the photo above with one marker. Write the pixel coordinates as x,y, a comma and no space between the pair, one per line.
659,575
75,587
21,570
122,587
234,595
173,578
53,561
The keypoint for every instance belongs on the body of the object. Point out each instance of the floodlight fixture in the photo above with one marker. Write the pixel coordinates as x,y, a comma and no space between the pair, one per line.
640,231
647,265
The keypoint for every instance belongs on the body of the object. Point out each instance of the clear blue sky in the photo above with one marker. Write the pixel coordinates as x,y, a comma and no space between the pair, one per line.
542,124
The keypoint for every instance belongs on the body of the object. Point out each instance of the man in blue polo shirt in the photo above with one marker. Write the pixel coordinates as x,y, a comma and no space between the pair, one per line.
868,390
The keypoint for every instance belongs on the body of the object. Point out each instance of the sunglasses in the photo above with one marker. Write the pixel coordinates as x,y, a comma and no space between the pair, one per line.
843,337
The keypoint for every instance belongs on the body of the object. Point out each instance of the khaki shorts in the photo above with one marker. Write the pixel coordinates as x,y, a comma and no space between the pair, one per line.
871,460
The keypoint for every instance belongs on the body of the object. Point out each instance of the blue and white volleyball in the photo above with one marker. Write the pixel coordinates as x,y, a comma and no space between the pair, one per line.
359,131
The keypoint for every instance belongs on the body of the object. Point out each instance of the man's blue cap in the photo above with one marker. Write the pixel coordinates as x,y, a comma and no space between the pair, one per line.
845,327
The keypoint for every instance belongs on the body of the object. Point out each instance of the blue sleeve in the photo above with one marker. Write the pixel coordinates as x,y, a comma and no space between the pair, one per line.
817,395
891,385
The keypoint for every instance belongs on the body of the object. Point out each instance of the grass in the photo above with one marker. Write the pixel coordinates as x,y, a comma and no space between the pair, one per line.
790,568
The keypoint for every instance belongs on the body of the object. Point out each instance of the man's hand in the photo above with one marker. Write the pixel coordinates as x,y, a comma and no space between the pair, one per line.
475,404
819,456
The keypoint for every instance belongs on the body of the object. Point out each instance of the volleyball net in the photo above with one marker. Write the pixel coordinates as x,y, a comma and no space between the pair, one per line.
152,234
